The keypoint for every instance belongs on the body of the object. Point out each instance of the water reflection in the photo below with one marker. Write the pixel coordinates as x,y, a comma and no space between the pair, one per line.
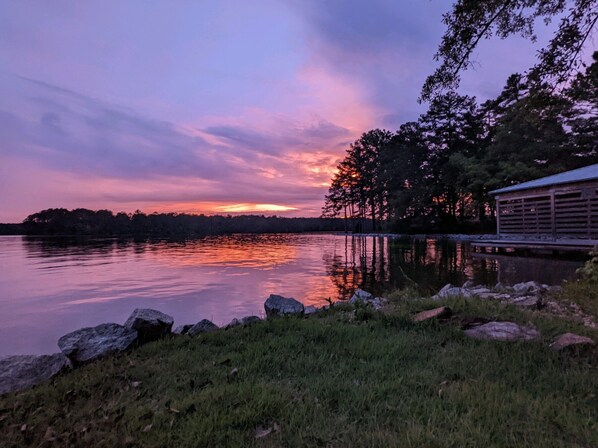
50,286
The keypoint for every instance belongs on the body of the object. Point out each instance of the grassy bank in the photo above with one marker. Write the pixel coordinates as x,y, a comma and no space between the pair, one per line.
340,378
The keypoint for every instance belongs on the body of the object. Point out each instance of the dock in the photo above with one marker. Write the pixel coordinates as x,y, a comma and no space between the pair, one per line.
530,245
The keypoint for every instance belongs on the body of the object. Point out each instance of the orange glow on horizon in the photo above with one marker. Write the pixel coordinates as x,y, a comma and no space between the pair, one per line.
243,208
218,208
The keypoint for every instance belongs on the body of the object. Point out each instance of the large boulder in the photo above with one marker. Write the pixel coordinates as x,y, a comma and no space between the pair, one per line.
203,326
569,340
361,296
503,331
25,371
149,324
92,343
282,306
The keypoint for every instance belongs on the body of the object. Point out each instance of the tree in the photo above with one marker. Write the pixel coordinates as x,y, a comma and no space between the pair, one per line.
358,183
583,93
470,21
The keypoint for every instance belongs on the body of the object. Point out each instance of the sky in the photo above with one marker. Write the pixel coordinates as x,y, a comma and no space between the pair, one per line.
212,106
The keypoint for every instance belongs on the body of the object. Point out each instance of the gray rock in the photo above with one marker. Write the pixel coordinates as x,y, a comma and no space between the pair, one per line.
570,339
500,287
445,288
282,306
25,371
503,331
438,313
247,320
527,302
234,323
526,288
310,309
203,326
469,284
479,290
453,291
149,324
182,329
92,343
250,320
361,296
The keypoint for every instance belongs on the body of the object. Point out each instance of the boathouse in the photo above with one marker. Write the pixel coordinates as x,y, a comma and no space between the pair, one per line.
561,206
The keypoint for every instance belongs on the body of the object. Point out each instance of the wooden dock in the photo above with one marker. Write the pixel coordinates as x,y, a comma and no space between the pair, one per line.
559,245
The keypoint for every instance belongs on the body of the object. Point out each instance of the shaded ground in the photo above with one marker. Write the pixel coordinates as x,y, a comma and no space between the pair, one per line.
340,378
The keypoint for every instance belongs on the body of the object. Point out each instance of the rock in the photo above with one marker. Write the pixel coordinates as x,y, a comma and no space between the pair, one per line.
570,339
25,371
182,329
503,331
453,291
282,306
310,309
468,284
361,296
233,323
203,326
92,343
149,324
244,321
500,286
438,313
530,287
492,296
479,290
445,288
527,302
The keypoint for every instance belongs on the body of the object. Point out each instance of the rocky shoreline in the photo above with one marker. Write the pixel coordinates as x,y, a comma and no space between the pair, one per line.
85,345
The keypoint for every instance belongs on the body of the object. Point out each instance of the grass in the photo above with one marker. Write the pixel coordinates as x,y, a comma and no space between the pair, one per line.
582,293
339,378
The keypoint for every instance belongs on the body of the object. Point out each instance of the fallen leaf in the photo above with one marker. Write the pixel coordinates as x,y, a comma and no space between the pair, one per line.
24,427
176,411
148,428
234,372
136,384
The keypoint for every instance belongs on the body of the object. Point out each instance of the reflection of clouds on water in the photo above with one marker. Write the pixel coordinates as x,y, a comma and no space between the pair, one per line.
52,286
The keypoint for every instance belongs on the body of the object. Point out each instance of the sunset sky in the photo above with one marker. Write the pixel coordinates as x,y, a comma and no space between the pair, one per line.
209,106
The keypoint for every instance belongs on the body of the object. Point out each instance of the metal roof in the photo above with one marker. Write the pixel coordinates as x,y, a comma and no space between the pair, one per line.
578,175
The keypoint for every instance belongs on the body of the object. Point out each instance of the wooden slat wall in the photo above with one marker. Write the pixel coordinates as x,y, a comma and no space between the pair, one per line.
526,216
575,213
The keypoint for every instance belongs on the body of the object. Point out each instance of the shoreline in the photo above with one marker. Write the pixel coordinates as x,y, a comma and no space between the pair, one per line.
414,366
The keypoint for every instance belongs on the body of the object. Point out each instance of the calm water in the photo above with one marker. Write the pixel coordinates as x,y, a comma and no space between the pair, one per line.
49,287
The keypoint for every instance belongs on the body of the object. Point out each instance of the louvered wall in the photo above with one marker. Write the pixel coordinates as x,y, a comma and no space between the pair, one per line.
573,213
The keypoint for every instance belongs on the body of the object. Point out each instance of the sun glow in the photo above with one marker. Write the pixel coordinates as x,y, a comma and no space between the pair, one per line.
244,208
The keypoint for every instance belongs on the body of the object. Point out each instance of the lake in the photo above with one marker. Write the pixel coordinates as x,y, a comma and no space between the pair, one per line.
51,286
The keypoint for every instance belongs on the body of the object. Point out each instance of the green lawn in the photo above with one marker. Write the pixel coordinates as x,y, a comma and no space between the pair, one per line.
340,378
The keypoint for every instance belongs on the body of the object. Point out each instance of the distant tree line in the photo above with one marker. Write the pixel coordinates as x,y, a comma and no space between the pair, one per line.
435,174
60,221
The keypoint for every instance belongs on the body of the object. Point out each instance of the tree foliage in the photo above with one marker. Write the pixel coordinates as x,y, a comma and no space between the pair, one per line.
471,21
60,221
436,173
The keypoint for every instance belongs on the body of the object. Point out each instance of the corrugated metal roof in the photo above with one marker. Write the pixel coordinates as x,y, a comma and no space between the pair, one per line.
578,175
